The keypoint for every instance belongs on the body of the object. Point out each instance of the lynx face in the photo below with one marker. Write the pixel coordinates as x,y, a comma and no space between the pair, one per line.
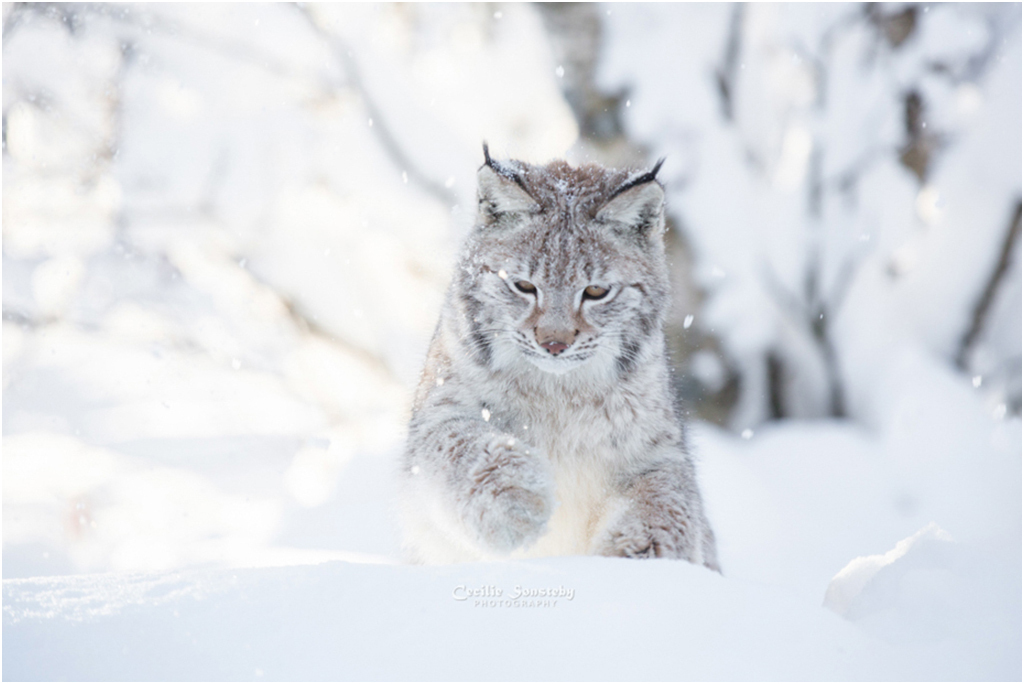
563,307
565,267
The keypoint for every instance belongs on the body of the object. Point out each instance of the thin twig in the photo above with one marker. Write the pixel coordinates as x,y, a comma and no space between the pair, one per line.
988,295
725,75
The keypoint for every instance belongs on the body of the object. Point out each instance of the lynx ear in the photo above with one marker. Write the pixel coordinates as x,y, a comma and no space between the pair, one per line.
638,204
500,189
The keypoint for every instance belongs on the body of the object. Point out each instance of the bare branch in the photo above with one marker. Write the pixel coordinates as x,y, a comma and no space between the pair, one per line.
988,295
776,372
391,146
725,75
816,316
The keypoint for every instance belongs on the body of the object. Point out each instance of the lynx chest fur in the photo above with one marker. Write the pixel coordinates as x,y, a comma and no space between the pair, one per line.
544,422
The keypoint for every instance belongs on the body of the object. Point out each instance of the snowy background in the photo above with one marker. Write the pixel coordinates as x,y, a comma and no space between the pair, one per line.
227,230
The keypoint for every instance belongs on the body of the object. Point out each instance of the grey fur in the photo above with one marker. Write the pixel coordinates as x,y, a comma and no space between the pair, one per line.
518,449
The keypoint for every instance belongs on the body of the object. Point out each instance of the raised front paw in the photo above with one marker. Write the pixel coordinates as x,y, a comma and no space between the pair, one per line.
510,497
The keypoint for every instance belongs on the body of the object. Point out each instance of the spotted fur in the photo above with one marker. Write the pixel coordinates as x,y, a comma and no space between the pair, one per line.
544,423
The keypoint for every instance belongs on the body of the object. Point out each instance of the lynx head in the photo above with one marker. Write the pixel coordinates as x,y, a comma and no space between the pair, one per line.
564,268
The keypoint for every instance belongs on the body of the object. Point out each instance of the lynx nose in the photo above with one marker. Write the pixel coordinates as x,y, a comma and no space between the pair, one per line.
555,341
555,348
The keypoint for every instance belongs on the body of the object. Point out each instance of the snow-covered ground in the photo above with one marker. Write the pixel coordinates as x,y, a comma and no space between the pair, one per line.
226,233
920,552
624,621
846,555
658,620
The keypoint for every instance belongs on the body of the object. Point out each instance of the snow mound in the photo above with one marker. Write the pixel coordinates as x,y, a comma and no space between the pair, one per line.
930,591
658,620
562,618
849,582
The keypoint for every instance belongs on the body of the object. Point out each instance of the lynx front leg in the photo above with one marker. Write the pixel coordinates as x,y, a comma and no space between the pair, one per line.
494,487
662,517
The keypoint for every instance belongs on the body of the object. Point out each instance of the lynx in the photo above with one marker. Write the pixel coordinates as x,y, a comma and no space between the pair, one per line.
544,421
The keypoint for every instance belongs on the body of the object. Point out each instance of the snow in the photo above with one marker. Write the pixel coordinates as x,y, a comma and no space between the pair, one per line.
219,280
663,619
814,521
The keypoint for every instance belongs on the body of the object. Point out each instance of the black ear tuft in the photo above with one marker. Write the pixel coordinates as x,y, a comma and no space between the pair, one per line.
501,190
651,175
637,205
657,167
507,171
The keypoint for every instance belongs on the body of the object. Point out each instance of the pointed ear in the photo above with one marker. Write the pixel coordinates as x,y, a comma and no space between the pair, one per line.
500,189
639,205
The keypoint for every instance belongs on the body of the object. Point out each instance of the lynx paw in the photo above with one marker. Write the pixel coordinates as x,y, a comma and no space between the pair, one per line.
656,532
510,497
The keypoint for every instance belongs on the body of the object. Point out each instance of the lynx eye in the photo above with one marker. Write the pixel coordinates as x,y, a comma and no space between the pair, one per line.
526,286
595,292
